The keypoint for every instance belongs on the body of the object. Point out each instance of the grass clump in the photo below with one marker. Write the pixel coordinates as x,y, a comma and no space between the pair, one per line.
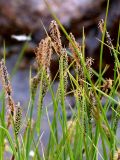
89,134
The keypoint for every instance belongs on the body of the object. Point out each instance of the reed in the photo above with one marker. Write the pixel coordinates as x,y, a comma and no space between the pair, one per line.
89,134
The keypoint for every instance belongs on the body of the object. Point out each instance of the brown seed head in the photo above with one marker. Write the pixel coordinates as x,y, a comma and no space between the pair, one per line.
48,51
107,85
43,56
11,105
43,53
101,25
108,39
5,78
78,48
10,110
89,62
55,36
8,91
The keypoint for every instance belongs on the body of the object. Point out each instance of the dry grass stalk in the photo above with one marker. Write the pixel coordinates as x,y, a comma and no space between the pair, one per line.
55,36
